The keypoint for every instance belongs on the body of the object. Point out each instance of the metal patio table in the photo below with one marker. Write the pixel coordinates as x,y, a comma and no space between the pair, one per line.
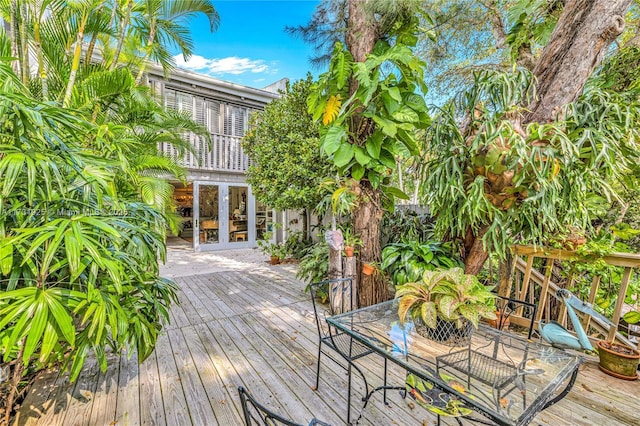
502,378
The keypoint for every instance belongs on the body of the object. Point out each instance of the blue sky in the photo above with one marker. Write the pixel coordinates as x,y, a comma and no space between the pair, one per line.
250,47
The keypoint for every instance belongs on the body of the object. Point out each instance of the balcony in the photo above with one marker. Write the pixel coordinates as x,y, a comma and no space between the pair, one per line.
224,155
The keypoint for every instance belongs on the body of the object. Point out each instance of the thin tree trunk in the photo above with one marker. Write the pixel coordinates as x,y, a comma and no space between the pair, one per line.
94,37
13,35
576,47
475,254
42,72
152,37
124,23
24,43
75,64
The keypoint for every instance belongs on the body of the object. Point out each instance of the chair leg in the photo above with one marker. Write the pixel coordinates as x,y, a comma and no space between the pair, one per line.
349,395
318,367
384,392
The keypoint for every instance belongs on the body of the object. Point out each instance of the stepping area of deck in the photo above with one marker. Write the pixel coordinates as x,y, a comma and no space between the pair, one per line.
243,322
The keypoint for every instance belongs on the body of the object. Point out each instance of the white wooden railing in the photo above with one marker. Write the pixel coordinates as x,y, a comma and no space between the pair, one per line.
224,154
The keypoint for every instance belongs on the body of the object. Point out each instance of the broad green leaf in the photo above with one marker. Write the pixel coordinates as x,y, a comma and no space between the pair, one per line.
333,139
344,154
361,156
374,144
357,172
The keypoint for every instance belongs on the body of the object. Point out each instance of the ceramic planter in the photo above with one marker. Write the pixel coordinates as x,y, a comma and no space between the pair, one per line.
348,251
275,260
618,360
368,269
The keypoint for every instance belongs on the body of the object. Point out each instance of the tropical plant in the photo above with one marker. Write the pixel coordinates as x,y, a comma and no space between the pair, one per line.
407,261
78,255
351,239
405,224
314,265
369,103
450,295
506,182
296,246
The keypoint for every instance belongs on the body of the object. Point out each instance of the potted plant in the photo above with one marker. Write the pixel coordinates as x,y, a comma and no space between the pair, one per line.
371,268
619,360
351,241
446,305
274,250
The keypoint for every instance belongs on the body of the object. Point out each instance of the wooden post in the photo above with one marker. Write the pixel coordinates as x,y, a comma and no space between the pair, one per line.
586,319
624,285
507,272
544,289
525,282
351,271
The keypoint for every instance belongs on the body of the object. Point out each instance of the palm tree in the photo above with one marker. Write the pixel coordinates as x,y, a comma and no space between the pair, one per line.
163,25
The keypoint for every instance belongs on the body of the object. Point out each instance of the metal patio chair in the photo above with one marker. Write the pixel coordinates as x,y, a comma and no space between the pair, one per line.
257,414
333,341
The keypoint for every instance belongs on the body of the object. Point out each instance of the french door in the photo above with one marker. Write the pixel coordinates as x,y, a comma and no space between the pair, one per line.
223,216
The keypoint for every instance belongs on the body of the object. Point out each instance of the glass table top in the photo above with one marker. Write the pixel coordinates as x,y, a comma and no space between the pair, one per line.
503,376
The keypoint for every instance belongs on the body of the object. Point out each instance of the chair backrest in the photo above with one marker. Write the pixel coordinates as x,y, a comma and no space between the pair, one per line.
257,414
507,306
341,296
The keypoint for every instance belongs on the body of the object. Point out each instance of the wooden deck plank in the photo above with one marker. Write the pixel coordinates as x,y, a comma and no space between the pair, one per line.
257,330
37,399
106,394
151,407
128,401
221,401
78,412
173,399
199,407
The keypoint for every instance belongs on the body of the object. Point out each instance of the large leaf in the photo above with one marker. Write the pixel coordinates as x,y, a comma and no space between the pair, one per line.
333,139
344,154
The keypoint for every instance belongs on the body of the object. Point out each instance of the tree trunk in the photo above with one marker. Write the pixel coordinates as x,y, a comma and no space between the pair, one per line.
361,37
576,47
13,36
24,42
143,65
475,254
124,23
368,216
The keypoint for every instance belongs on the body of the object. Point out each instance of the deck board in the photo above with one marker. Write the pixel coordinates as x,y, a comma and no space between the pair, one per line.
257,330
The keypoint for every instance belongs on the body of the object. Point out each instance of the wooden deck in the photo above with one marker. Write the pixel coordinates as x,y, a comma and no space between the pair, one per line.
257,330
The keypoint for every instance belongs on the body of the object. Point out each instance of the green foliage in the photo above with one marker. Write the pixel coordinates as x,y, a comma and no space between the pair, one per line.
282,143
408,225
351,239
79,253
447,294
387,103
314,265
524,184
407,261
296,246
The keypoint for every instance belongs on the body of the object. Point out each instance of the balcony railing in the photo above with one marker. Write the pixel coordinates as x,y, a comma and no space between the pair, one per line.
224,154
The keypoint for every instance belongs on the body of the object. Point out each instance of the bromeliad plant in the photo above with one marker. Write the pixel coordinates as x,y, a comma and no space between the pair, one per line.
450,295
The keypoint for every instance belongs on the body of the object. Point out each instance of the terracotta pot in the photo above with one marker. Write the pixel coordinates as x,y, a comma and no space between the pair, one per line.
348,250
503,322
367,269
275,260
618,360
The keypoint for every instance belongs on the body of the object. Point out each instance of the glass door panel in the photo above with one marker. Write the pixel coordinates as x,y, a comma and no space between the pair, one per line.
264,220
238,224
209,214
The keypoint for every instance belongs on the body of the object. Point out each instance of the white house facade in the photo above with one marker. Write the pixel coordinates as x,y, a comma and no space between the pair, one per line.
217,205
